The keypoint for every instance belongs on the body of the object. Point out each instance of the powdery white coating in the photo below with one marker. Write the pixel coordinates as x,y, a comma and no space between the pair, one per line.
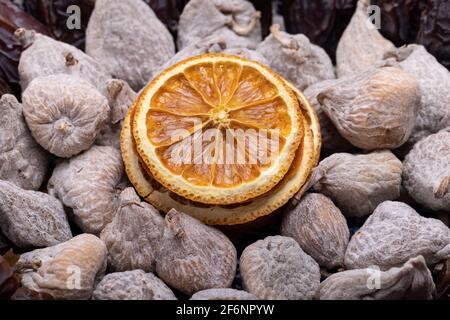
193,256
412,281
68,270
132,285
357,184
120,98
332,141
247,54
134,235
64,113
128,40
394,233
434,82
361,45
426,171
22,160
235,20
376,109
223,294
319,228
90,184
32,219
276,268
45,56
296,58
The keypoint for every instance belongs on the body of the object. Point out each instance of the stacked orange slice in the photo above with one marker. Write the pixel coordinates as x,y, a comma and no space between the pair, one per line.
221,138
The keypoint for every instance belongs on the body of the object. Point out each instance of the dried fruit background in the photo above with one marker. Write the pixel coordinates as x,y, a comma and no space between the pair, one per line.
380,194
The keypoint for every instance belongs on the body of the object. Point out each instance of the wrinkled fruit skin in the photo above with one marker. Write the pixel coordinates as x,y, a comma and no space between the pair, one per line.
319,228
132,285
223,294
358,183
376,109
361,44
412,281
236,20
90,184
426,173
64,113
134,235
395,233
296,58
55,270
276,268
44,56
132,53
32,219
22,161
193,256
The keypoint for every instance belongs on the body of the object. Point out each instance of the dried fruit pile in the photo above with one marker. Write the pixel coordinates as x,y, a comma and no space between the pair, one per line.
172,154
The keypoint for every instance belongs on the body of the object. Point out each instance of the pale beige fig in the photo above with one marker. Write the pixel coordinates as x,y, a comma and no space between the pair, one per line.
276,268
69,270
22,160
357,184
132,285
434,82
134,235
32,219
235,20
90,185
247,54
296,58
64,113
128,40
120,98
361,45
412,281
223,294
193,256
319,228
426,171
332,141
376,109
44,56
395,233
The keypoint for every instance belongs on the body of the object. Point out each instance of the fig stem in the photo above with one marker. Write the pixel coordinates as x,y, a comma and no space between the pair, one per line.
444,188
25,37
70,60
245,30
290,44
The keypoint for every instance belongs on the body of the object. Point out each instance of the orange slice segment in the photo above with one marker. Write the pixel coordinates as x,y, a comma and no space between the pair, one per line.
185,124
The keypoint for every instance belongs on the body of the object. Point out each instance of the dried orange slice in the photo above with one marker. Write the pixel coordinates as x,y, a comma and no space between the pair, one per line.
292,184
217,129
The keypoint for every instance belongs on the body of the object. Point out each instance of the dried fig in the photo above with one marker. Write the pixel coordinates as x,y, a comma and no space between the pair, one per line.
394,233
128,40
194,256
434,83
361,44
296,58
319,228
66,271
120,98
30,218
358,183
235,20
22,160
376,109
90,184
412,281
44,56
332,141
426,171
132,285
133,236
276,268
223,294
64,113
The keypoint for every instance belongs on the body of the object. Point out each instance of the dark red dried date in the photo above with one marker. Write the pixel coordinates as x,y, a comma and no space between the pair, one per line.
8,283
